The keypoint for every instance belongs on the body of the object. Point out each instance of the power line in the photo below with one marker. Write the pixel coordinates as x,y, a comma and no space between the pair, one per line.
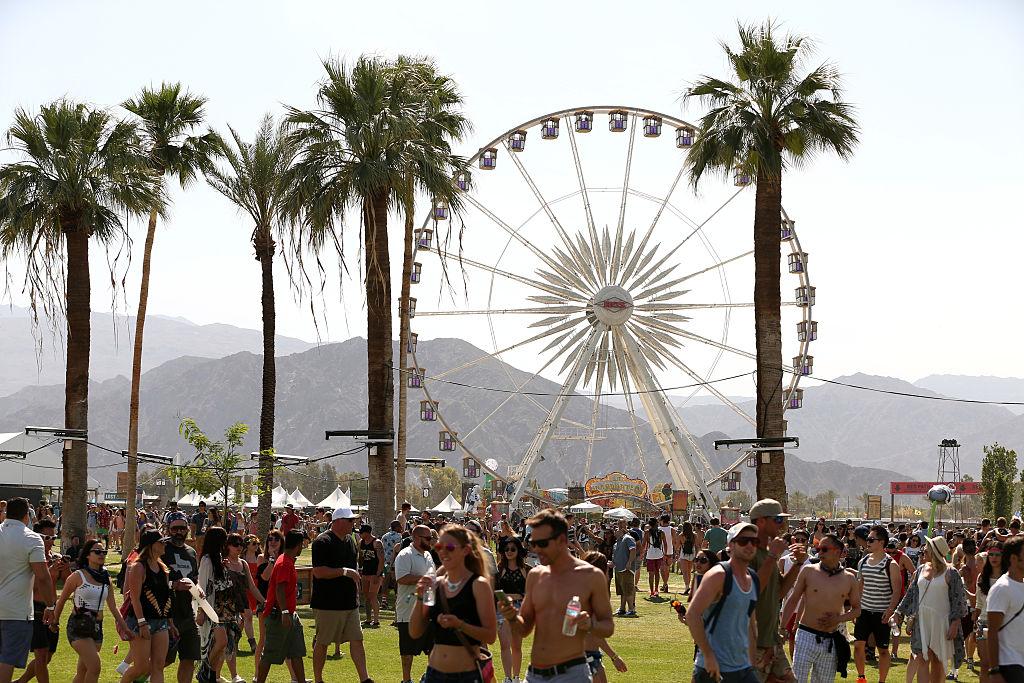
909,394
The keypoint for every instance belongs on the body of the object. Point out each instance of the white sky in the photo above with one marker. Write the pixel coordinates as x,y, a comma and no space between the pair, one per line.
915,244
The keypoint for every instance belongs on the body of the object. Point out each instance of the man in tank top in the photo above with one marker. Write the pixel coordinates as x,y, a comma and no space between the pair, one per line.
665,525
881,590
826,588
725,635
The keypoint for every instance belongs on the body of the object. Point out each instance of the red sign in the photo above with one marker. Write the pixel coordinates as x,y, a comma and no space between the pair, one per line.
909,488
614,304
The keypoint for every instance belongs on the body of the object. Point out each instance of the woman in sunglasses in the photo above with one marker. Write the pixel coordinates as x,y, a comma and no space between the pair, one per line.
273,546
703,561
89,589
463,615
990,572
251,556
231,604
148,590
511,579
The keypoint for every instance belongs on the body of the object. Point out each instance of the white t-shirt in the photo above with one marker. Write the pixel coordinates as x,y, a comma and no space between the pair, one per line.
409,561
19,546
1007,596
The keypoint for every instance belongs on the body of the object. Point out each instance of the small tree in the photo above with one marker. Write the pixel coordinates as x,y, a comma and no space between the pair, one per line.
998,470
217,463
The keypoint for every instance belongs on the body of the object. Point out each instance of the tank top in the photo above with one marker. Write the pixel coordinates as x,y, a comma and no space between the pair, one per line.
667,530
655,552
370,565
511,581
156,594
877,585
89,596
262,584
461,605
730,640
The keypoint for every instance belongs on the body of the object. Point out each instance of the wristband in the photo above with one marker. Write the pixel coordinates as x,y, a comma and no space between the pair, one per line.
285,611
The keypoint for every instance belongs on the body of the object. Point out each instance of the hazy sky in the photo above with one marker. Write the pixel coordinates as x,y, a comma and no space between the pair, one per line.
915,245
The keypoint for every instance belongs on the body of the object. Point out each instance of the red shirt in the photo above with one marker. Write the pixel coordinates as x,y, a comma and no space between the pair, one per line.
289,522
283,573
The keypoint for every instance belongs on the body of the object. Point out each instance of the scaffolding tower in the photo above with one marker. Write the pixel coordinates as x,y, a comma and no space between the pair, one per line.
949,473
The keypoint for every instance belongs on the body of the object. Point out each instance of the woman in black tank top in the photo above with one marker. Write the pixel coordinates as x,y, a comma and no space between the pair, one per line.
371,565
511,579
463,615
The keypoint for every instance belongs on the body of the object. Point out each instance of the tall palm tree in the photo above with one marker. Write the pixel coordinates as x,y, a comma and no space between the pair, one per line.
81,173
168,118
358,149
441,124
770,113
256,181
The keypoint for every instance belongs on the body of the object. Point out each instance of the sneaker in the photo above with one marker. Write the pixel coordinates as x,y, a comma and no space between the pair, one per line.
508,679
631,614
238,679
862,679
620,613
970,665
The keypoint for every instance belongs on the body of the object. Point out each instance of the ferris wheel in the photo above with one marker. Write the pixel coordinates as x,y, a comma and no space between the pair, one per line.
589,266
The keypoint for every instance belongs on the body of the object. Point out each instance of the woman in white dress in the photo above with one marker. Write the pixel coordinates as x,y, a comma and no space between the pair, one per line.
936,600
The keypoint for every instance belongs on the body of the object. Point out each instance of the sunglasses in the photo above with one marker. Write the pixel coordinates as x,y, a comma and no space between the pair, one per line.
872,539
541,542
99,552
448,547
994,553
779,519
747,540
703,560
179,529
510,548
48,538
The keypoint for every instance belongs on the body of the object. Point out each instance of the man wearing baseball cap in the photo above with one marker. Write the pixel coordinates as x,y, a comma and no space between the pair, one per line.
334,599
768,517
720,622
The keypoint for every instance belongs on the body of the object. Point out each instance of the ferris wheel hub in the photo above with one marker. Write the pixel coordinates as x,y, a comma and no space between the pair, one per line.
612,305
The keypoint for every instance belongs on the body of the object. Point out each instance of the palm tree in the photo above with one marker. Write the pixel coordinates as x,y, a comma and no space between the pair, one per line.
256,181
359,149
441,123
168,117
769,114
81,173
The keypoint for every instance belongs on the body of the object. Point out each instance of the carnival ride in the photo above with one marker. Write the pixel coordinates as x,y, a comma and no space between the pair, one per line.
595,279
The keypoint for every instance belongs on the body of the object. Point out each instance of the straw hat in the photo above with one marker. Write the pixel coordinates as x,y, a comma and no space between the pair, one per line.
938,547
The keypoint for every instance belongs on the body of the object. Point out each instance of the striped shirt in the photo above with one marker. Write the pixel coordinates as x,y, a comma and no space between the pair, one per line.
877,591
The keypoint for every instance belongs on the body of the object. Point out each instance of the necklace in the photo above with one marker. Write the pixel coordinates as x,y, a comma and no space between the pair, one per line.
833,571
452,587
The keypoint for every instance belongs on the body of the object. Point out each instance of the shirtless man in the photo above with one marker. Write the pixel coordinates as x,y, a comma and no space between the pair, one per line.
827,588
557,658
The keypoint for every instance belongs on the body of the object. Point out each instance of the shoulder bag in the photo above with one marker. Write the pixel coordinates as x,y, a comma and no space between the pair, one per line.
479,653
84,623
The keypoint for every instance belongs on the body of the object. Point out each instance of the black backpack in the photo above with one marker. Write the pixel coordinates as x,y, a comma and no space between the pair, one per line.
888,561
711,621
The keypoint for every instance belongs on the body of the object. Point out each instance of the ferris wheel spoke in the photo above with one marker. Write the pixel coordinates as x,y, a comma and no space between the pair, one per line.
546,207
614,256
542,310
719,264
550,289
591,228
620,363
551,263
658,306
695,376
595,413
647,274
700,226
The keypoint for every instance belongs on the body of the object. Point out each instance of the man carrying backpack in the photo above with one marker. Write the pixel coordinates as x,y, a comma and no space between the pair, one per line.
726,632
881,586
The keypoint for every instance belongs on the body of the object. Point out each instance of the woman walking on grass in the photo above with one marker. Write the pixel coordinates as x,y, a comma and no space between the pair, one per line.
511,579
148,591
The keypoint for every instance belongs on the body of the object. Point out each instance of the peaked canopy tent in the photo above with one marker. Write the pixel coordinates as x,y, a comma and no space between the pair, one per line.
586,508
337,499
42,464
298,500
448,505
619,513
278,497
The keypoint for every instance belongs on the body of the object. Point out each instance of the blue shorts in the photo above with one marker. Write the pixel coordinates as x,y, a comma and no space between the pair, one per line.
15,642
155,624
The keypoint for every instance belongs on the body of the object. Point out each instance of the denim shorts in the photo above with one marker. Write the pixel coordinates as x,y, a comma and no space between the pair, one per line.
577,674
15,641
432,675
155,624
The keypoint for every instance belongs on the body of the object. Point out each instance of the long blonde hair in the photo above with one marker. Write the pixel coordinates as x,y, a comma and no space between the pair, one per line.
475,561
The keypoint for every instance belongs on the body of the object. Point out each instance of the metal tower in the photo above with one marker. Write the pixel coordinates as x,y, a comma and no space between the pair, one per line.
949,473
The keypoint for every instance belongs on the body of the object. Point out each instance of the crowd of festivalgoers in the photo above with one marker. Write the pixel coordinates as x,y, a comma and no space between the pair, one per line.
768,599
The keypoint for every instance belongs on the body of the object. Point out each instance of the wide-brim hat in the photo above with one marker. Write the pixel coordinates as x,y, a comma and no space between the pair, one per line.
937,546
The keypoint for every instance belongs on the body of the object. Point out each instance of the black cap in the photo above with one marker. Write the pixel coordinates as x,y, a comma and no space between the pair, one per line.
148,538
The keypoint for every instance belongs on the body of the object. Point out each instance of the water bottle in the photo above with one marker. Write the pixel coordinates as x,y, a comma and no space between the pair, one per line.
572,610
429,593
894,627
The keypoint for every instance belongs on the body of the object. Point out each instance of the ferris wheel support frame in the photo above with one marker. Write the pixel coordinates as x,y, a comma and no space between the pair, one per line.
547,429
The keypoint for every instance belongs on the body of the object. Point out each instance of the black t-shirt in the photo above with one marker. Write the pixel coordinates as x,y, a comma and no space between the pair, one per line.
182,565
200,519
334,552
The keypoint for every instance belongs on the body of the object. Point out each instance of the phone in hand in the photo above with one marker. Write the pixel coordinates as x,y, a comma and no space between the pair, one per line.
500,596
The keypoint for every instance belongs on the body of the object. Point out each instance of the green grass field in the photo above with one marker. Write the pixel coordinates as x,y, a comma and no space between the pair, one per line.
656,648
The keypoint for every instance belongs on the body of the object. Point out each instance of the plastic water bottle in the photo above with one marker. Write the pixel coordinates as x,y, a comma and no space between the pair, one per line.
429,593
572,610
894,626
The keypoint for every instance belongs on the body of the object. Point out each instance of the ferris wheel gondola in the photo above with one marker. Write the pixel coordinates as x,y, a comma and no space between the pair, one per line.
606,311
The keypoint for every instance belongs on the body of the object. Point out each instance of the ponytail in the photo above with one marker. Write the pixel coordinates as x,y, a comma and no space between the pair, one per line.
475,561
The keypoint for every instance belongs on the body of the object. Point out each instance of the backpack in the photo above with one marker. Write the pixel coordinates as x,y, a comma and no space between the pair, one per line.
885,567
711,621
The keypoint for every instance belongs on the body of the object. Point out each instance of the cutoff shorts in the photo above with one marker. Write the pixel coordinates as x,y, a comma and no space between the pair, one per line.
337,626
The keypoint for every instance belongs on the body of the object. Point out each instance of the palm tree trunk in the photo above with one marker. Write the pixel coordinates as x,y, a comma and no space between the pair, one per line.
265,250
76,388
133,404
403,342
379,357
771,476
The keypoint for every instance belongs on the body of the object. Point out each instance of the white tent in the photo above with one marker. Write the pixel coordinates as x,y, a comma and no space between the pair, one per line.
298,500
619,513
43,466
279,497
191,499
448,505
337,499
218,496
585,508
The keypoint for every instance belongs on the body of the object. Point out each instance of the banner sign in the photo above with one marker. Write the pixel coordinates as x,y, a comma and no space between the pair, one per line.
874,507
909,488
679,501
616,482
